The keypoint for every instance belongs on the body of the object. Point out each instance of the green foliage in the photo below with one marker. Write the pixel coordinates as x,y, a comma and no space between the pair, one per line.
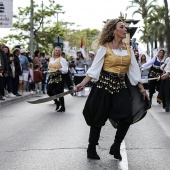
45,30
74,37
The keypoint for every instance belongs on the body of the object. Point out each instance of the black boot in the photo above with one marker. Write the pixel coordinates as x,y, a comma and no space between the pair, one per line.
120,134
62,109
57,104
91,152
93,141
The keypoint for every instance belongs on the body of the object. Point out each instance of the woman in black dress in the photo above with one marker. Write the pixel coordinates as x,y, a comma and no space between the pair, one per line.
117,93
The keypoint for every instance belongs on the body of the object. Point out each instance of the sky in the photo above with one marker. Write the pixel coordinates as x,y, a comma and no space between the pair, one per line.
87,13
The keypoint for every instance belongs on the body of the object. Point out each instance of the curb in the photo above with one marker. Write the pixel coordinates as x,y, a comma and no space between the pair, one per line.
17,99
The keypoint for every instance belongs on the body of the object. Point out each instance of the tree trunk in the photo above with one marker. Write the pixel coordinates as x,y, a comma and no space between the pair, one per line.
167,24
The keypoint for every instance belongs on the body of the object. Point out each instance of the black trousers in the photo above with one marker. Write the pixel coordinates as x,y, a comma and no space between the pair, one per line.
164,93
67,80
15,84
1,86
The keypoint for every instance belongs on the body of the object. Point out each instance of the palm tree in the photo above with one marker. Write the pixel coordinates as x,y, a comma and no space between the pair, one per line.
157,24
167,24
143,7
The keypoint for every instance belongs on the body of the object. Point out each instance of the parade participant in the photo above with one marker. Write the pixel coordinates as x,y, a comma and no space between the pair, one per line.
112,69
67,76
57,66
80,70
154,64
164,93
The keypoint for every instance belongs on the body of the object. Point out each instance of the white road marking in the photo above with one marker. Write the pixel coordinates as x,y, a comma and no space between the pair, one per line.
123,165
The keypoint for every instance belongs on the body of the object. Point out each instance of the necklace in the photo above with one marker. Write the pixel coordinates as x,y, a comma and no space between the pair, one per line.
118,47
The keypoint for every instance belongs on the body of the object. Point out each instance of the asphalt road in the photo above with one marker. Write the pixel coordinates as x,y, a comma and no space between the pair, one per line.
36,137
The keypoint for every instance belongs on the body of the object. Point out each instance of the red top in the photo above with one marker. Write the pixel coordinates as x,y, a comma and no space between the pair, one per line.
37,76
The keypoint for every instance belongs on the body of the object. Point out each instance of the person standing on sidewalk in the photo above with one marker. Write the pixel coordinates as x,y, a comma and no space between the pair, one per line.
3,71
25,70
38,80
18,71
111,95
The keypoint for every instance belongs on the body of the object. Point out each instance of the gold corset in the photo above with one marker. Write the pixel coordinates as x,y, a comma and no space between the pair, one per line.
114,63
53,66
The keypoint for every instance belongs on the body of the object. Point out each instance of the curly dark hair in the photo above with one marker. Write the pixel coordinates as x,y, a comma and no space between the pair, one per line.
106,34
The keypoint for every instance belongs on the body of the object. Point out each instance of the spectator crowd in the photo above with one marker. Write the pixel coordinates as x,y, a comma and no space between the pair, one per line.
22,74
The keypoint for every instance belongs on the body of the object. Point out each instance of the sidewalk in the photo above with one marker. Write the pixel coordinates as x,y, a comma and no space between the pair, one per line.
11,100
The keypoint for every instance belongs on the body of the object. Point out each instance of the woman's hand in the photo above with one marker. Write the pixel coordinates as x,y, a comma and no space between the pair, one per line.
143,91
79,87
164,76
145,95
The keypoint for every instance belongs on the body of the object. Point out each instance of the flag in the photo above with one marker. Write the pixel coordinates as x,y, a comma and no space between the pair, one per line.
82,47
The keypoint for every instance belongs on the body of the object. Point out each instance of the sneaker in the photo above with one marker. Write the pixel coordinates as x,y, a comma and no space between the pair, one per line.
2,98
38,95
11,95
25,93
18,94
31,92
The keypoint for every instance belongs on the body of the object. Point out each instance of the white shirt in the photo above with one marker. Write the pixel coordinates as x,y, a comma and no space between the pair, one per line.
133,71
167,67
63,62
150,62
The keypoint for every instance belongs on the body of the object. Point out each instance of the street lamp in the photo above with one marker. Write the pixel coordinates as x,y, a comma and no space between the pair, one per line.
58,42
59,13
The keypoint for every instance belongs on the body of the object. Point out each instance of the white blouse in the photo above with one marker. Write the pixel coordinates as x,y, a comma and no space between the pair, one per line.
133,72
150,62
63,62
167,68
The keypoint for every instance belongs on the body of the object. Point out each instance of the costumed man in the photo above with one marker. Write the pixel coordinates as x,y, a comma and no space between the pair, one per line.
57,66
154,64
67,76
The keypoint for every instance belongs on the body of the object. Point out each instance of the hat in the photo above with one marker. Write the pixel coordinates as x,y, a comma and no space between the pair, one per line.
18,46
91,52
23,50
16,49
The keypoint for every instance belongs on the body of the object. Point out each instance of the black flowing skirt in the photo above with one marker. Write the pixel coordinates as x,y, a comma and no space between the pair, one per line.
126,105
55,84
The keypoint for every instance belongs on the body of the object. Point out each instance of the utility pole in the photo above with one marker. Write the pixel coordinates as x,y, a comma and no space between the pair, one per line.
42,17
31,30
